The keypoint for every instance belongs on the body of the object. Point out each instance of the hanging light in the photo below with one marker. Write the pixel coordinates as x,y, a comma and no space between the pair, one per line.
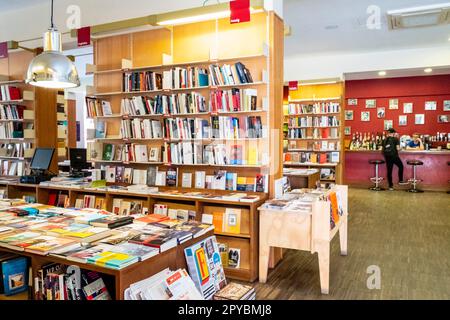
52,69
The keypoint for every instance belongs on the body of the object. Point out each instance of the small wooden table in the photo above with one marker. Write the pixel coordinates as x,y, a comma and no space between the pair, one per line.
303,231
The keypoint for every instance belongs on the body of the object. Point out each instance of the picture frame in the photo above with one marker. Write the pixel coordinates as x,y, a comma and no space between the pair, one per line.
352,102
381,112
446,105
365,116
371,103
348,115
419,119
408,107
348,131
430,105
403,120
393,104
443,118
388,124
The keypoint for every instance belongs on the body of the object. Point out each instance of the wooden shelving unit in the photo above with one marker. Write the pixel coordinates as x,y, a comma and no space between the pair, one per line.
258,45
311,146
62,125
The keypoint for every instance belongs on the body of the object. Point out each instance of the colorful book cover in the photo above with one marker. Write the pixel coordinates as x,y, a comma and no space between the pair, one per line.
15,276
205,267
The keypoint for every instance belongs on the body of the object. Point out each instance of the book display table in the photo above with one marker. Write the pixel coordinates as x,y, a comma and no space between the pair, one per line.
308,231
121,279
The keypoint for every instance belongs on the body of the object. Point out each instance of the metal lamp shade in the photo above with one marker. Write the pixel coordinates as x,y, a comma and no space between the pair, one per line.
51,69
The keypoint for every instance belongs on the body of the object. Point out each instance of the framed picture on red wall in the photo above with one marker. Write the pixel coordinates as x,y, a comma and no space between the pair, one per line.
388,124
381,112
365,116
393,104
408,107
430,105
443,118
352,102
348,131
402,120
348,115
420,119
371,103
446,105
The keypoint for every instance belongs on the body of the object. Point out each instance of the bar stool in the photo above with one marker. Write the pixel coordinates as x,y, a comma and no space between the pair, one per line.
377,179
414,181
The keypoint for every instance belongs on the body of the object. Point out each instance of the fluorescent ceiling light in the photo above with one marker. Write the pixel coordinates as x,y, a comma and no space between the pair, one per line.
419,16
428,70
382,73
193,15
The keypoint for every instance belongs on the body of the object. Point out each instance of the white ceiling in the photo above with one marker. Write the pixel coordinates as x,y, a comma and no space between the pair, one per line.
339,26
9,5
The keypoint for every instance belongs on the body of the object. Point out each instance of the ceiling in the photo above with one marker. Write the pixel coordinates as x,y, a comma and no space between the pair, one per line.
10,5
339,26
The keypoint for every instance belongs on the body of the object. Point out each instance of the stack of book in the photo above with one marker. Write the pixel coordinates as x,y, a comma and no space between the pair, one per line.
229,74
11,112
142,81
141,129
318,107
96,108
233,100
182,78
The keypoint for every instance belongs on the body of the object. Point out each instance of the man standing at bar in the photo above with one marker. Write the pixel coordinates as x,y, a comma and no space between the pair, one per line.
391,146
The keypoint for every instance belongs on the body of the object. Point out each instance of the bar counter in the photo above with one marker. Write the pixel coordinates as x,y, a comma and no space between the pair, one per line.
435,171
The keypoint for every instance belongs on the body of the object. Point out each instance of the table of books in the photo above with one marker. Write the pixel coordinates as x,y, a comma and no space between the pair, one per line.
46,234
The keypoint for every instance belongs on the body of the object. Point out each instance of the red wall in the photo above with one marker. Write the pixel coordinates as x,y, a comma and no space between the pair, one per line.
412,89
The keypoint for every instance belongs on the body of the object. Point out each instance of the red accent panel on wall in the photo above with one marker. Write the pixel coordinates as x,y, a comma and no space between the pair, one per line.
416,90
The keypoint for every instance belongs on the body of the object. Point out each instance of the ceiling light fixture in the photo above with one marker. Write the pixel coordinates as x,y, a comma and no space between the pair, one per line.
428,70
382,73
52,69
205,13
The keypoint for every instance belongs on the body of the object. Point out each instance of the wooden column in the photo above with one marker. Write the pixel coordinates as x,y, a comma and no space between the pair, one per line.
45,122
71,123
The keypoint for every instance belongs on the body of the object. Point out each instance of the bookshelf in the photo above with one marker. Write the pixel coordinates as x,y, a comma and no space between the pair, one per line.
36,126
62,125
195,47
314,130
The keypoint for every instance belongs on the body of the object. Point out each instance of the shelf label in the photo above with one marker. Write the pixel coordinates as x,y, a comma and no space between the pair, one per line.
84,36
3,50
240,11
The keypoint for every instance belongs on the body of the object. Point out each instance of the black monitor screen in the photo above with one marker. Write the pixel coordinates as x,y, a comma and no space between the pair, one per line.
42,158
77,159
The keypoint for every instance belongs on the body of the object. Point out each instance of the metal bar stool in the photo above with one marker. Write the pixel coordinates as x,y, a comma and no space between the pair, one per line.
377,179
414,181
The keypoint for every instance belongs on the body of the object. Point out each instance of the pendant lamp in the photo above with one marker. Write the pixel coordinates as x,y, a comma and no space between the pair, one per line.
52,69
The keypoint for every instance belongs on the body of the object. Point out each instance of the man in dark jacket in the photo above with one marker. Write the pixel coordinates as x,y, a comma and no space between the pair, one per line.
391,146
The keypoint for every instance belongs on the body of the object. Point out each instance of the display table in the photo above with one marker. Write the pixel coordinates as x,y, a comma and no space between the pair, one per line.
434,172
303,231
120,279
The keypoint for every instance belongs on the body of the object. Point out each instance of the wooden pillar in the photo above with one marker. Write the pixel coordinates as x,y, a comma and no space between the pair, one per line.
71,123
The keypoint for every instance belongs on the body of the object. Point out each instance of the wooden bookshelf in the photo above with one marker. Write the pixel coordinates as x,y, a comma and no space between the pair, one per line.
310,145
63,127
39,104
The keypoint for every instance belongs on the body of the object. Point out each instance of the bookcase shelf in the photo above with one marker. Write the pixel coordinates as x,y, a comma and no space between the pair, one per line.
193,45
312,114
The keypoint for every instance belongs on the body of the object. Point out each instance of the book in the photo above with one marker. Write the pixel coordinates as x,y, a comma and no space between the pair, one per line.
205,267
218,220
111,222
200,179
83,255
100,130
235,291
113,260
136,250
172,177
163,239
186,180
234,258
232,220
45,244
14,275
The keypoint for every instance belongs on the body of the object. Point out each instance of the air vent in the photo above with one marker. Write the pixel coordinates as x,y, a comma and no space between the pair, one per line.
424,16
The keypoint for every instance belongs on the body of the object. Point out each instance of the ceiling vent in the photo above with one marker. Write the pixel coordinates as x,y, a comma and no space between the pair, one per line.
424,16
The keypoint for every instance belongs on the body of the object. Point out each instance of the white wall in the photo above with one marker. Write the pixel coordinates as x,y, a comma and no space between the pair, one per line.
309,67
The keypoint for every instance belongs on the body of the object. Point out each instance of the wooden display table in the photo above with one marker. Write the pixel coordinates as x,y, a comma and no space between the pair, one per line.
303,231
120,279
303,180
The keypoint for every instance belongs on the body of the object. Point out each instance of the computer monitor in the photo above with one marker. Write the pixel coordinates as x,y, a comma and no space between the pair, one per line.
77,160
42,159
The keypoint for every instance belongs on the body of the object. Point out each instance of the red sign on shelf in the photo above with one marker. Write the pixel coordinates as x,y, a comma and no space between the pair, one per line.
293,85
84,36
240,11
3,50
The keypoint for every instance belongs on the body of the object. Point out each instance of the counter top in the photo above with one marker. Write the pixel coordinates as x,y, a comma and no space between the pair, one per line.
433,152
